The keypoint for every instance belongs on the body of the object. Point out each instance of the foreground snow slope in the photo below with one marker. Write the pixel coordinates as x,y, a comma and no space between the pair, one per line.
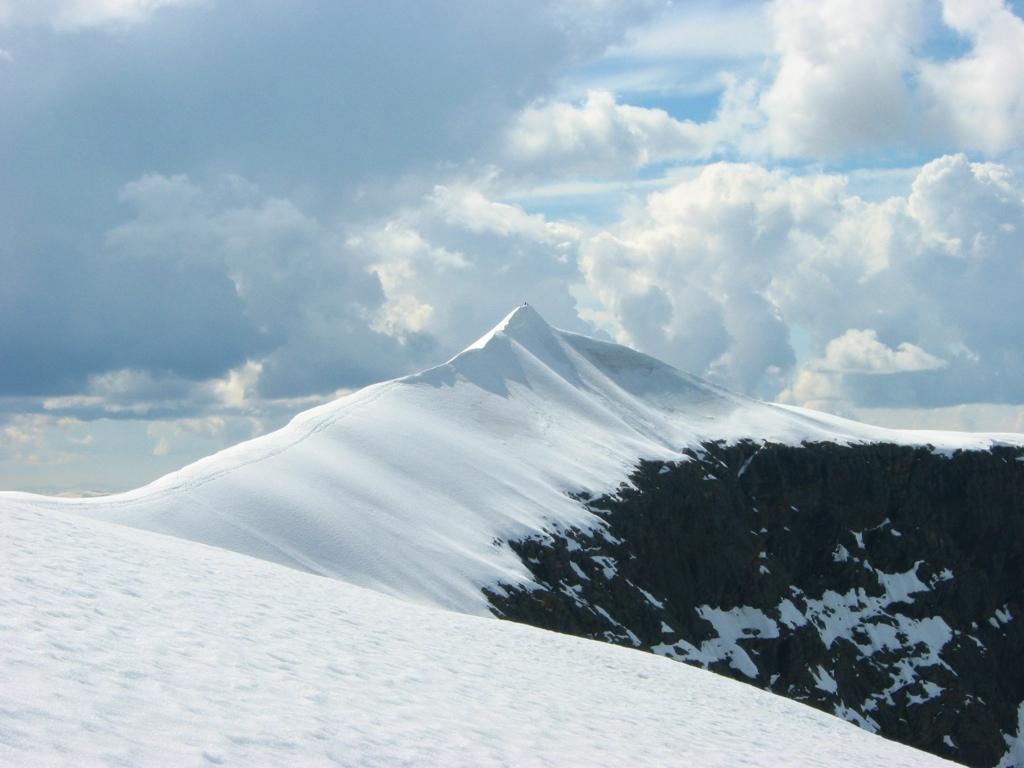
410,487
121,647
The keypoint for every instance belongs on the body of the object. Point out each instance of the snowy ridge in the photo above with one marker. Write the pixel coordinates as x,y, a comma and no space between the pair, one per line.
120,647
412,486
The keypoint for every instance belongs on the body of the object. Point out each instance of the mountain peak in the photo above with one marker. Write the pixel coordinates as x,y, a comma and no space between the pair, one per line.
524,324
522,316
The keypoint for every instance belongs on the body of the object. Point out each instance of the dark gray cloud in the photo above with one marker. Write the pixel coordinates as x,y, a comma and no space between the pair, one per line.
68,316
316,101
287,94
312,299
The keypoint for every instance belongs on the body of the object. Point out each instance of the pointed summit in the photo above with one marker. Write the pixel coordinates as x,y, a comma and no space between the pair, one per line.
523,316
523,324
519,348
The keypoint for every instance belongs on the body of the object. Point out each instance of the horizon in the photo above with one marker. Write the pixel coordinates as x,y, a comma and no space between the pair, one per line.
525,326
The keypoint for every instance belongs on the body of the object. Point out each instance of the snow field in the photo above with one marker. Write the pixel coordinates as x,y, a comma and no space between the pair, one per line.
120,647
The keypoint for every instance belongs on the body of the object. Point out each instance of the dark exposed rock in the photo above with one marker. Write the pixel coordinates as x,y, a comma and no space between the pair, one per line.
879,582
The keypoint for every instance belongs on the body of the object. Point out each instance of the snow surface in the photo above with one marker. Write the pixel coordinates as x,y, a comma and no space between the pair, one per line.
412,487
121,647
1014,755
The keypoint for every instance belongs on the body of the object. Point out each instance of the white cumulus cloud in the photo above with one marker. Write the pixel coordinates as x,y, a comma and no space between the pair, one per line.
77,14
860,351
718,273
837,79
980,96
454,262
599,137
841,78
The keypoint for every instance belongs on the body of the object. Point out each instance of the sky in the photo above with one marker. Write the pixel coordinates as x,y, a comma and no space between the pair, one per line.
217,213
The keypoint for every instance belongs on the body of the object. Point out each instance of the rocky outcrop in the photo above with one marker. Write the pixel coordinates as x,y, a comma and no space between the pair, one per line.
882,583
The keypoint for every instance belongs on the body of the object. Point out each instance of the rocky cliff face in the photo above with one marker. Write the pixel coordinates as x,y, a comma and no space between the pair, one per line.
882,583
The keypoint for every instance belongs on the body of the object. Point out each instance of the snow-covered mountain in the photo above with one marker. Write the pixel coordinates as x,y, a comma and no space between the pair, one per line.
569,483
413,487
